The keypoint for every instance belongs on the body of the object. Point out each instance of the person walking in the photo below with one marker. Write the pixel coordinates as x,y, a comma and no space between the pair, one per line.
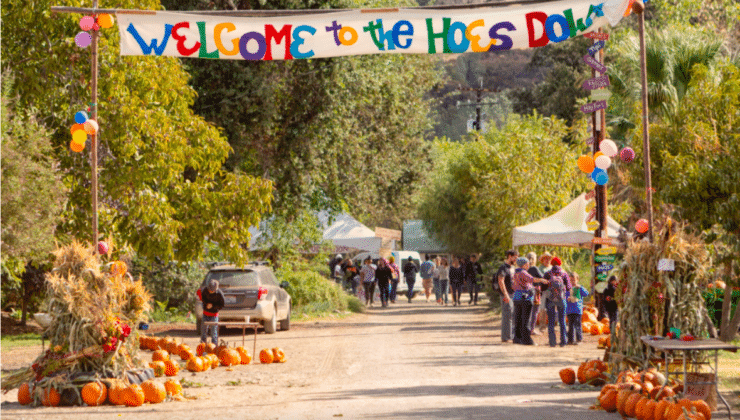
473,273
367,273
409,273
610,303
396,277
457,279
383,274
443,272
536,273
350,271
574,310
559,284
523,285
213,301
503,278
435,280
427,272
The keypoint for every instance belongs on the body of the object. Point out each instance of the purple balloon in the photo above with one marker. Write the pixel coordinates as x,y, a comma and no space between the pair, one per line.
83,39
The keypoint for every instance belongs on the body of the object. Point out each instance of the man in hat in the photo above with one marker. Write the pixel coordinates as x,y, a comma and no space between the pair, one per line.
213,301
503,276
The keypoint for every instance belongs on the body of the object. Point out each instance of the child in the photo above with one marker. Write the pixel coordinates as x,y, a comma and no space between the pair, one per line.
574,310
610,304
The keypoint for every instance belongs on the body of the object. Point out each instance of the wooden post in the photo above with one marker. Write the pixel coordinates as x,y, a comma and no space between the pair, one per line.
94,137
639,8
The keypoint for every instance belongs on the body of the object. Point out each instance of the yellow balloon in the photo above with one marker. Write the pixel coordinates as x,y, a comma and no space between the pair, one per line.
79,137
586,163
105,20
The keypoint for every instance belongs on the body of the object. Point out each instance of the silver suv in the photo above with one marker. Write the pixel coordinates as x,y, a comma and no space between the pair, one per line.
253,291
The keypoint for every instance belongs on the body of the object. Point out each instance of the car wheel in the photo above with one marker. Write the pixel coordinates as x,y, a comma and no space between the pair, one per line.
271,325
285,324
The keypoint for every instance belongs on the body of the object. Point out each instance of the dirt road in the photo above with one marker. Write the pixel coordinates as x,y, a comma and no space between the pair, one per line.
409,361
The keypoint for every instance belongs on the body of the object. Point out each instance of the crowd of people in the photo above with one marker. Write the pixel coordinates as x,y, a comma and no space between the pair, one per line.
527,291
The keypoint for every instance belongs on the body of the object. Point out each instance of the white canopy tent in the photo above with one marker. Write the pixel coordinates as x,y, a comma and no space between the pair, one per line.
345,232
567,227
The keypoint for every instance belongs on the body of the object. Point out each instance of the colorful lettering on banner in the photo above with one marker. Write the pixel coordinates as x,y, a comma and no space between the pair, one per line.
597,82
604,268
594,63
343,33
602,276
605,258
602,241
606,250
593,106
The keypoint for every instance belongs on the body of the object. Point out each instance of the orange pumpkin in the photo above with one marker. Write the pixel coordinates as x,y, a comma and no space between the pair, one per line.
703,408
630,406
213,360
661,409
200,349
589,317
568,376
673,412
115,392
24,394
133,395
154,392
185,352
648,411
278,355
605,329
172,387
639,407
171,368
160,355
229,357
244,356
172,347
266,356
195,365
596,328
662,392
94,393
609,401
210,348
158,367
50,397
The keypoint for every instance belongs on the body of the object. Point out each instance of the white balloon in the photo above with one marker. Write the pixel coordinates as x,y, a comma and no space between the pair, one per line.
608,148
603,162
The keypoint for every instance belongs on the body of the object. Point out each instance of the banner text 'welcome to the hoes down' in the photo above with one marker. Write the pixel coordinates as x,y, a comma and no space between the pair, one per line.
335,37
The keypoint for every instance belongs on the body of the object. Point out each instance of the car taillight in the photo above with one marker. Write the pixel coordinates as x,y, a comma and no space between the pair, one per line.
262,293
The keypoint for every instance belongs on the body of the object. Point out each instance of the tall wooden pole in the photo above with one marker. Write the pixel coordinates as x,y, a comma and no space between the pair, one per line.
94,137
639,8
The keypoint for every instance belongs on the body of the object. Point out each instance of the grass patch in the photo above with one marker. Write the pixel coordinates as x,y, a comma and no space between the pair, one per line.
20,340
729,376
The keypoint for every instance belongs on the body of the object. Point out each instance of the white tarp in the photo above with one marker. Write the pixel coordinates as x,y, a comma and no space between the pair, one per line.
421,30
567,227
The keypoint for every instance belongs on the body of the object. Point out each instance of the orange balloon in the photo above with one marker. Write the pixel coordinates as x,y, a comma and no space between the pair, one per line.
76,147
76,127
586,163
597,154
642,226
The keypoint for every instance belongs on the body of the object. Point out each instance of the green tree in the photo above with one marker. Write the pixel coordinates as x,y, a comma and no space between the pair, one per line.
162,187
482,189
32,200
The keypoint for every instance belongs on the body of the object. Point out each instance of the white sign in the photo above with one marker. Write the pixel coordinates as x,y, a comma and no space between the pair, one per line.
666,264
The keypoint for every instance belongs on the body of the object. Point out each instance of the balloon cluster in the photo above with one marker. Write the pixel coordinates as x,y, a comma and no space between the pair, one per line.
597,165
82,127
83,39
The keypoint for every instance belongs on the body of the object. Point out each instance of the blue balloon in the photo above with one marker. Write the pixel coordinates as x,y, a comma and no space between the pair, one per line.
596,173
81,117
601,178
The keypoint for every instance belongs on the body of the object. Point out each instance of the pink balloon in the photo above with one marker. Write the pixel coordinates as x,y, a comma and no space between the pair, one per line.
627,154
102,248
87,22
83,39
642,226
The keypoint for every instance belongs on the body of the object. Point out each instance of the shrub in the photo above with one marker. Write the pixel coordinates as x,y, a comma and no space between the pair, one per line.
313,293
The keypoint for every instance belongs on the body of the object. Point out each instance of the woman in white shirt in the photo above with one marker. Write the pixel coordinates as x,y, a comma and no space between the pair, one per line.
443,273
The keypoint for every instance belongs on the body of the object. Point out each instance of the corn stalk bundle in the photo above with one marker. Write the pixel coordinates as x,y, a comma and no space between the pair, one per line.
651,301
94,314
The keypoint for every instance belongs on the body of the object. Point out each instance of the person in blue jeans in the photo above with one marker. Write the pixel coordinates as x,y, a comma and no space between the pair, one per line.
574,310
503,278
409,273
213,301
559,284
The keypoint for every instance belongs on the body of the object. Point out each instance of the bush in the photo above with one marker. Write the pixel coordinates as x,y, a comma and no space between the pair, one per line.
174,283
313,293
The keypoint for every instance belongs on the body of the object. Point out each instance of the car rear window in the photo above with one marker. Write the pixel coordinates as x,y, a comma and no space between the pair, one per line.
234,278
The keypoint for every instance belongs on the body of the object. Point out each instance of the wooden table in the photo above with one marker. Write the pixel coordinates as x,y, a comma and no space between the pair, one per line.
674,345
243,325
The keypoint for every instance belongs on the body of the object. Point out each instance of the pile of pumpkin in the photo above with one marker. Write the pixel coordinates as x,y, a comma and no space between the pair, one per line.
591,372
646,396
591,324
113,391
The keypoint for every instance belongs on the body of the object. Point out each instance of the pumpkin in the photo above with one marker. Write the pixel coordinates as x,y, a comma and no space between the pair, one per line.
210,348
591,375
160,355
154,392
142,342
586,327
589,317
703,408
568,376
648,411
719,284
171,368
185,352
660,409
158,367
115,392
662,392
647,388
601,366
244,356
195,365
94,393
673,412
133,395
172,347
609,401
172,387
152,343
596,328
50,397
266,356
278,355
24,394
640,407
605,329
622,396
213,359
200,349
217,351
162,343
229,357
630,406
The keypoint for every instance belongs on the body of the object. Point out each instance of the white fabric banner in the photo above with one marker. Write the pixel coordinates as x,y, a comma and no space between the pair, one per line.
358,32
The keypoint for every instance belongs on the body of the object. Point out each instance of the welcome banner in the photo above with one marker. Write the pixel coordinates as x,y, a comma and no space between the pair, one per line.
358,32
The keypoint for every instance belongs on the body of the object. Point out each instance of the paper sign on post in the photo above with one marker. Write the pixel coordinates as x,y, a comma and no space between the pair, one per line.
597,35
604,268
666,264
596,47
606,250
594,63
593,106
602,276
600,95
605,258
596,83
602,241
